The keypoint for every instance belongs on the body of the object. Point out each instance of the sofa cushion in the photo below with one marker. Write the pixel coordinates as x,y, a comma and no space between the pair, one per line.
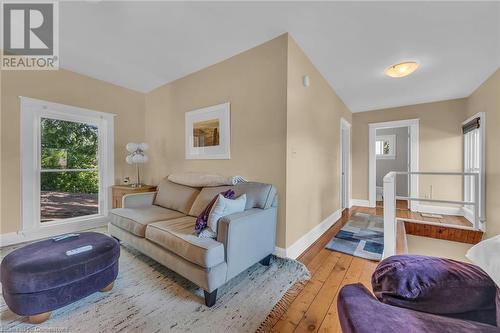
174,196
360,312
259,195
178,236
436,285
135,220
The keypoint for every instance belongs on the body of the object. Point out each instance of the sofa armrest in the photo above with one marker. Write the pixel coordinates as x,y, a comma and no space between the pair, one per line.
135,200
248,237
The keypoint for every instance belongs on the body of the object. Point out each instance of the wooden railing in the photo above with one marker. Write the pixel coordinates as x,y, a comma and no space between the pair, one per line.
390,197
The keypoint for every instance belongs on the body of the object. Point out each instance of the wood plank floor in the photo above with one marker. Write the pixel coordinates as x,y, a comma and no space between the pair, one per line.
405,213
315,307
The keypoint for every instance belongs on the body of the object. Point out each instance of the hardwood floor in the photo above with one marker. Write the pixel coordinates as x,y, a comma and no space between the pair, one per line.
315,307
403,212
400,204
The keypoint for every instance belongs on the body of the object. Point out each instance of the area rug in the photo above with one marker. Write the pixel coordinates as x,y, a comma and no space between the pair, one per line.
147,297
362,236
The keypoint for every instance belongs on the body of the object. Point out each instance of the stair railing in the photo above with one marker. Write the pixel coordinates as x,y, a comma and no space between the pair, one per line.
390,197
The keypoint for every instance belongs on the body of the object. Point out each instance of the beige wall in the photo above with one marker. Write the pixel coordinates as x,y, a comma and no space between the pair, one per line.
279,129
487,99
68,88
313,146
254,82
440,146
427,246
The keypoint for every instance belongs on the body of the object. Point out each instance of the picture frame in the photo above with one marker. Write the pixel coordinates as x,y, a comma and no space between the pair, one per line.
208,133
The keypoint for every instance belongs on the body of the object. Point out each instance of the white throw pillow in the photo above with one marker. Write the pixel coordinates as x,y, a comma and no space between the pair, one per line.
221,208
485,255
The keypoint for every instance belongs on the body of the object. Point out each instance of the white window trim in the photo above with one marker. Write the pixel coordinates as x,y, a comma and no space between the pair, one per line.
392,146
345,125
468,213
32,110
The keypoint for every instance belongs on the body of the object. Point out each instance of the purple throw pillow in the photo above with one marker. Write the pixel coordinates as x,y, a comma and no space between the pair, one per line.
436,285
201,221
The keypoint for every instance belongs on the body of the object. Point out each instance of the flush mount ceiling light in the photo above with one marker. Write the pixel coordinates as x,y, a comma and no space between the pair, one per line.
401,69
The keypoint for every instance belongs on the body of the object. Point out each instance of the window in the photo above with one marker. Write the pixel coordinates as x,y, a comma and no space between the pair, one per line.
385,146
67,164
473,131
69,172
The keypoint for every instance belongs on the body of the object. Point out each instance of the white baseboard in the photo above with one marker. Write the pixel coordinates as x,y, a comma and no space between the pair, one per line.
297,248
360,203
13,238
440,210
468,214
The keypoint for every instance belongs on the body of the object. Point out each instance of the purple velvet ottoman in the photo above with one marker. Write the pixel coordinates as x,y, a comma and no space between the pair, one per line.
48,275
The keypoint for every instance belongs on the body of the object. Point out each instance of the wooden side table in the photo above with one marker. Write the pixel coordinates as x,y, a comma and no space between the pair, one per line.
119,191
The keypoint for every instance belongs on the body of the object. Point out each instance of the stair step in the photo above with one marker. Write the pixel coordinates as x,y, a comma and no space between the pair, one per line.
456,234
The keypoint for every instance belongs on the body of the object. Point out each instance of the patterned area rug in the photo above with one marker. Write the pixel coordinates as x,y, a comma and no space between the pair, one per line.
362,236
148,297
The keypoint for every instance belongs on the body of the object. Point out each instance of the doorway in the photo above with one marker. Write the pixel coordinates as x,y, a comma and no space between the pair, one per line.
392,150
345,156
391,143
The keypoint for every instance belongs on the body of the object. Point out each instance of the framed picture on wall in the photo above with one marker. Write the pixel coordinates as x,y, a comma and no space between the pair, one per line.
208,133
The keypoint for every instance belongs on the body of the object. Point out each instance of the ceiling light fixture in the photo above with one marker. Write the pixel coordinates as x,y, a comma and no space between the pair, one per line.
401,69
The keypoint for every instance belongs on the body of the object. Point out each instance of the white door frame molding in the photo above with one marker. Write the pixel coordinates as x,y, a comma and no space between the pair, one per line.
414,125
345,126
32,110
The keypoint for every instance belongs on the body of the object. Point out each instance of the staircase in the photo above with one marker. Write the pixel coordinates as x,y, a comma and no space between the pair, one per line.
396,227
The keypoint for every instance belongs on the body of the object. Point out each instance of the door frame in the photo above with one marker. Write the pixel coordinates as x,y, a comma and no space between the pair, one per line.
345,152
413,125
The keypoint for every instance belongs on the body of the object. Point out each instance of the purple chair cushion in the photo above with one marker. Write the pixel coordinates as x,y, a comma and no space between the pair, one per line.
360,312
436,285
498,306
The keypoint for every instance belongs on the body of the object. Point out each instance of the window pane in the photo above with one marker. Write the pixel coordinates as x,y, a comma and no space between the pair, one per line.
68,145
386,148
66,194
378,147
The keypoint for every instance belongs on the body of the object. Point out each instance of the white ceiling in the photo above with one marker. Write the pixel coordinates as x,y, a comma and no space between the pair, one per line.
144,45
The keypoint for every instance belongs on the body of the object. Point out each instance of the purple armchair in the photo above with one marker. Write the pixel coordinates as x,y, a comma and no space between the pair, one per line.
417,294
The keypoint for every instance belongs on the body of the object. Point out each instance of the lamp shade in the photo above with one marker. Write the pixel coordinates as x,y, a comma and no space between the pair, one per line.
129,159
131,147
143,146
